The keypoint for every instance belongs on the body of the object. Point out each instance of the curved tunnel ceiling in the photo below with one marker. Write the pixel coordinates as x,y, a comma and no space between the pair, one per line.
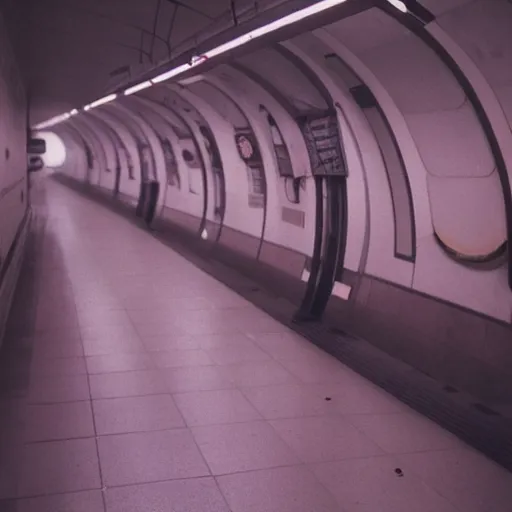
73,51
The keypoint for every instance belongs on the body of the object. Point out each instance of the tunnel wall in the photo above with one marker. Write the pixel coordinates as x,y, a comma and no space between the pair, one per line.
13,173
431,288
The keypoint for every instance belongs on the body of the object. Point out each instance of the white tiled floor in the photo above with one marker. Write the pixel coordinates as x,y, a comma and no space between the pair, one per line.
154,387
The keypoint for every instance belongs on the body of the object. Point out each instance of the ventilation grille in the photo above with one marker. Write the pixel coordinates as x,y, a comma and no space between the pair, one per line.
295,217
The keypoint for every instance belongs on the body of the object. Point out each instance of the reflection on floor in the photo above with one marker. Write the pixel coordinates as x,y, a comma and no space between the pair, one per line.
132,381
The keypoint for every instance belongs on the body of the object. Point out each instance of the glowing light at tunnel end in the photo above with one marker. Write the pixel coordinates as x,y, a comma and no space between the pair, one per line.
285,21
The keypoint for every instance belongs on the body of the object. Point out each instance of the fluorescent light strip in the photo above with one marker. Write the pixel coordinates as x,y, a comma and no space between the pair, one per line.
53,121
138,87
254,34
171,73
102,101
294,17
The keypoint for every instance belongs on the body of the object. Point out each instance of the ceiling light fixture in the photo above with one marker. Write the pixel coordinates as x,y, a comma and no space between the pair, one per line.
101,101
169,74
294,17
138,87
53,121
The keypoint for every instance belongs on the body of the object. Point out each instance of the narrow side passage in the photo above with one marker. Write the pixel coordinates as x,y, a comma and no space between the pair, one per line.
134,381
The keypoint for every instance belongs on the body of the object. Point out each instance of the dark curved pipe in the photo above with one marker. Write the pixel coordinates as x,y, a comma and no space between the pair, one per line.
94,135
304,312
204,176
116,140
335,245
258,148
327,271
147,190
87,149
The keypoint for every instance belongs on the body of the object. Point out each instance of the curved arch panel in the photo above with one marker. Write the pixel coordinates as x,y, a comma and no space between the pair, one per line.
289,224
94,153
382,226
76,164
108,179
191,197
237,216
428,96
148,145
129,183
250,217
97,133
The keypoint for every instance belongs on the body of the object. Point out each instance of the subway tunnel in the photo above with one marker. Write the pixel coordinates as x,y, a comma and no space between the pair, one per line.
266,265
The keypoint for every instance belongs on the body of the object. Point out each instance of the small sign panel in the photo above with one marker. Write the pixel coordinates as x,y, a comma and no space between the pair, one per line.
248,149
36,146
323,143
171,166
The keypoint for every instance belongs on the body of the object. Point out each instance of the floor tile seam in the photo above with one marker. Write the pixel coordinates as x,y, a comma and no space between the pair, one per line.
272,356
182,428
333,414
116,372
157,481
299,464
98,461
216,365
306,462
138,395
260,418
421,480
166,394
98,354
101,435
186,426
198,348
447,433
50,495
309,385
49,359
431,487
165,368
383,453
210,478
56,402
302,465
437,492
59,440
108,336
